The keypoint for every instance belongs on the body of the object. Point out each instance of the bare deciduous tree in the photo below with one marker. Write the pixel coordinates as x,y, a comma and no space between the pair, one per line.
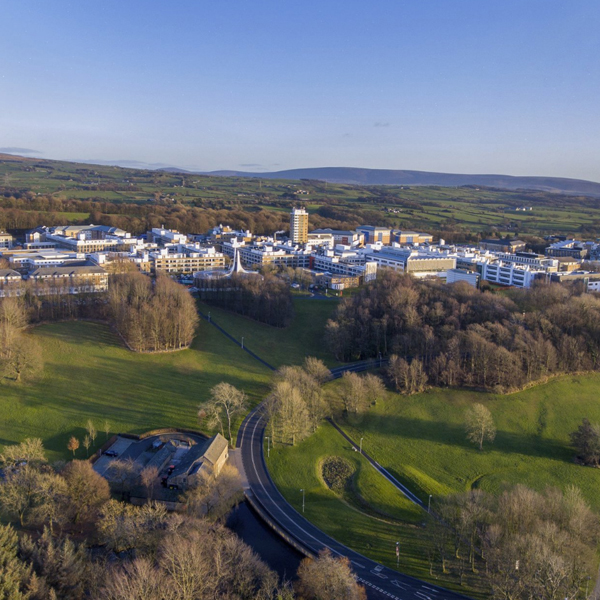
30,450
374,388
214,497
22,359
226,402
87,442
91,429
353,392
148,477
480,425
123,473
317,370
87,490
328,578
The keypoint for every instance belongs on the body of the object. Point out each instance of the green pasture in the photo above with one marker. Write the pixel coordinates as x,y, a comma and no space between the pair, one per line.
305,336
88,374
421,439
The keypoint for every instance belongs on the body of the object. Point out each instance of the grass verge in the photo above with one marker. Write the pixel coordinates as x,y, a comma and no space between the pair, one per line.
371,526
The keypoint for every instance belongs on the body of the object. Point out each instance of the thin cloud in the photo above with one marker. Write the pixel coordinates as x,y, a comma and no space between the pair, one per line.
15,150
250,165
381,124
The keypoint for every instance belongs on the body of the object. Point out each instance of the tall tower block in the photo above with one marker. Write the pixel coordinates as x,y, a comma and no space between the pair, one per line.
299,226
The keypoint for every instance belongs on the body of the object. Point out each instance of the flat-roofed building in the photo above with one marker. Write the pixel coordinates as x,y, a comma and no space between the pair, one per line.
569,248
162,236
258,256
411,237
336,265
27,260
504,245
410,261
456,275
11,283
511,274
68,280
201,259
6,240
346,238
374,234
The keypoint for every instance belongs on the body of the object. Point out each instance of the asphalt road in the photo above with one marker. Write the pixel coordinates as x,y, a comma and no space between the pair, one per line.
379,581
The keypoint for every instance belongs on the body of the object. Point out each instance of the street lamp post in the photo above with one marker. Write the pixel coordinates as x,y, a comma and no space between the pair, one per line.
429,504
242,342
302,490
361,439
268,446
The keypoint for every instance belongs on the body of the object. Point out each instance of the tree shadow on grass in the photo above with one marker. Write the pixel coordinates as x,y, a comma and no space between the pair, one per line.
79,332
392,426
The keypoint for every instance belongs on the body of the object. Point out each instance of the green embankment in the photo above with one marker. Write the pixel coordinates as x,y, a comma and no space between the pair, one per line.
421,440
305,336
88,374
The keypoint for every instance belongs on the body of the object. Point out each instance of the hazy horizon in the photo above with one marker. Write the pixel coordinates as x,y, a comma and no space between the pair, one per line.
465,87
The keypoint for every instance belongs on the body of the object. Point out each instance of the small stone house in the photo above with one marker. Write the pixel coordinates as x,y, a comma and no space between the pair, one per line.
201,460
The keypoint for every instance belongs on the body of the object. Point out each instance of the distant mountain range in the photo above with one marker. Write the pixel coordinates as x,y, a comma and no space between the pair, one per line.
358,176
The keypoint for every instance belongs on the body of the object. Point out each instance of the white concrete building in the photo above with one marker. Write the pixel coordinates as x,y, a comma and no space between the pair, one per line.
510,274
455,275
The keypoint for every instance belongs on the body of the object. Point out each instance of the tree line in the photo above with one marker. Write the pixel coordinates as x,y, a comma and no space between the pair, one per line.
27,210
77,543
456,335
152,315
20,354
265,298
526,544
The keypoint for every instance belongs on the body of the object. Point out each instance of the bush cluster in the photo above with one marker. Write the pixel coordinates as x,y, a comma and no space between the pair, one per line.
336,472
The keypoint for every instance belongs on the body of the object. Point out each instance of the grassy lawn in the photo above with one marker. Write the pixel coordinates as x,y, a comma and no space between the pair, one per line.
88,374
372,529
282,346
421,439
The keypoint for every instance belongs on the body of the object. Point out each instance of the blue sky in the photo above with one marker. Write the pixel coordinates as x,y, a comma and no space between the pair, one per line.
470,86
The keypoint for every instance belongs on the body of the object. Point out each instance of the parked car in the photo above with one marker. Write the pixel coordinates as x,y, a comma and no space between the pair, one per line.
110,453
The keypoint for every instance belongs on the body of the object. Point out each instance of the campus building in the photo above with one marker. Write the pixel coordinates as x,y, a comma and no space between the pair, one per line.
68,280
6,240
188,261
299,226
11,283
411,237
373,234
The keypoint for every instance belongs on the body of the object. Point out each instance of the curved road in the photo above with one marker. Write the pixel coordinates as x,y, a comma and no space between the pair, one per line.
379,581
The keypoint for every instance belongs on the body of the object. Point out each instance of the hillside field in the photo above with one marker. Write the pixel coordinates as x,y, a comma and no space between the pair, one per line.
88,374
421,440
305,336
455,213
